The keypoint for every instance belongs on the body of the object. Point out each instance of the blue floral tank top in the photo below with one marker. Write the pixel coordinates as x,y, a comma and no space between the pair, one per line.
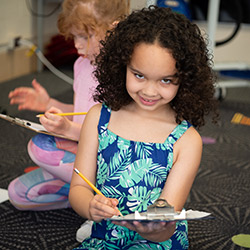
134,173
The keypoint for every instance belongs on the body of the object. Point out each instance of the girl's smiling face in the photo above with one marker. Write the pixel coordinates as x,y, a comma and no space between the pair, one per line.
151,76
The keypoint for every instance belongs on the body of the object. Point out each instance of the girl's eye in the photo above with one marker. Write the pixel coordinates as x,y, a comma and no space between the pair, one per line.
81,36
85,37
166,81
139,76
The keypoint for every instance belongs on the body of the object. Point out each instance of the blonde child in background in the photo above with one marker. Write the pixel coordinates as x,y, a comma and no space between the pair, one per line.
140,143
85,21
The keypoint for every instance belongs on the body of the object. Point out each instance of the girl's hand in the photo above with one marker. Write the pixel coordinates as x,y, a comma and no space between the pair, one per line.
154,231
101,207
36,98
55,123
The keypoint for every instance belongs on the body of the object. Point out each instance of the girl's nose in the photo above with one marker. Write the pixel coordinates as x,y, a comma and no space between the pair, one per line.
150,89
79,43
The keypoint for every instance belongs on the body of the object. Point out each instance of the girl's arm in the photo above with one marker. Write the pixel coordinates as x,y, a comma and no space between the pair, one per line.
187,157
60,124
81,196
66,108
36,98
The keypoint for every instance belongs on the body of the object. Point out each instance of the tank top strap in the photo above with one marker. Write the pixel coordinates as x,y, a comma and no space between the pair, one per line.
179,130
104,118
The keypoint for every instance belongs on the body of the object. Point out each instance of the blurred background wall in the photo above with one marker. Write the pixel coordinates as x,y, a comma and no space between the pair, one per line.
36,20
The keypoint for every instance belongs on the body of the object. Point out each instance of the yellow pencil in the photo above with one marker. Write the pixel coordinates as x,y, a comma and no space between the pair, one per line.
65,114
90,184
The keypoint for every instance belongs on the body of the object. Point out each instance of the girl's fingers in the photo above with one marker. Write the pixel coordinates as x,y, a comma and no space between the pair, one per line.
104,206
147,227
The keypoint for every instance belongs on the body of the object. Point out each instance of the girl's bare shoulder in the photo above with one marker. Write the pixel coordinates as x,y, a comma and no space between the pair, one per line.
190,141
94,110
93,115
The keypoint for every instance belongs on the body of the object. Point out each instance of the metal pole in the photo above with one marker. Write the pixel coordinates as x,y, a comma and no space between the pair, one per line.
213,16
151,2
40,4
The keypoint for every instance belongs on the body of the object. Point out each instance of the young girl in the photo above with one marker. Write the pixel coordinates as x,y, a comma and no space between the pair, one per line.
86,21
155,80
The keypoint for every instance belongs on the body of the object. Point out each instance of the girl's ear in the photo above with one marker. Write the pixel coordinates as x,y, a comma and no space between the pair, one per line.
113,25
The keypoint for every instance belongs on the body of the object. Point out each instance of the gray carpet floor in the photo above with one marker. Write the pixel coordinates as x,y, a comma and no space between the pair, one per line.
222,185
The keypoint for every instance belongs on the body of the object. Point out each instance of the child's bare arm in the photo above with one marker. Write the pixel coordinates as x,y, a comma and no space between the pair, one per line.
36,98
187,157
32,98
81,196
60,124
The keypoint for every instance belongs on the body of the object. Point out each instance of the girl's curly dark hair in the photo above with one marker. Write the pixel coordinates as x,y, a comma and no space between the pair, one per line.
195,97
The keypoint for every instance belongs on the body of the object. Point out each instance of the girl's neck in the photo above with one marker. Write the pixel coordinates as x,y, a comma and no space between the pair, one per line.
135,124
164,113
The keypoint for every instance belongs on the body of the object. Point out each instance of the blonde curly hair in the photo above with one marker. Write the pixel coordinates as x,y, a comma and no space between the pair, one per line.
95,15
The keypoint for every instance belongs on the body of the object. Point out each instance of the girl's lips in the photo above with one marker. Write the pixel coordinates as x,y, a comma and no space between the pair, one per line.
148,102
82,55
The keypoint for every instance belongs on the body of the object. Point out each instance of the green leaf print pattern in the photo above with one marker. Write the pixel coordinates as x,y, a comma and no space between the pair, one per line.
106,138
119,162
102,170
123,144
182,235
143,150
139,196
134,173
164,146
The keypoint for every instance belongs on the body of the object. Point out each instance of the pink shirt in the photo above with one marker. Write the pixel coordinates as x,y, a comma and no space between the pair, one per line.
84,87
